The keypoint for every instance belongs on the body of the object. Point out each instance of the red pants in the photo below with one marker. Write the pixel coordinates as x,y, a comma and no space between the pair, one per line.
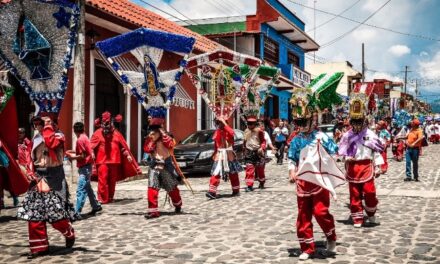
400,150
367,191
384,167
251,170
214,182
107,176
153,200
315,205
38,240
434,138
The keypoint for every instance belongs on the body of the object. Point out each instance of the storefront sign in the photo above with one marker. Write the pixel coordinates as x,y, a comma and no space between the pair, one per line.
300,78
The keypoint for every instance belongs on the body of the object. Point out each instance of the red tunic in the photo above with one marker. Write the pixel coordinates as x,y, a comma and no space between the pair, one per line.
113,149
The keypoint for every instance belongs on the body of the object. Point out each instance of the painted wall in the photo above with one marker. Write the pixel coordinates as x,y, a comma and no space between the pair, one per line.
285,45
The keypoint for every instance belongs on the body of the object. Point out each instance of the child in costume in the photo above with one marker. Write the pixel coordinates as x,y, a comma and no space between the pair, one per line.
308,152
163,169
362,150
225,164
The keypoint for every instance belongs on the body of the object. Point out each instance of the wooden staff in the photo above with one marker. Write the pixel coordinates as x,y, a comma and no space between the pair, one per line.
179,171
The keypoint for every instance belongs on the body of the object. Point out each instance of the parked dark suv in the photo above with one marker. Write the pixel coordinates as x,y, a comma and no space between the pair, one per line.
194,154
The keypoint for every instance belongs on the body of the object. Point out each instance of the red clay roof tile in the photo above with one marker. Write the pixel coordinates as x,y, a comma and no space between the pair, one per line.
145,18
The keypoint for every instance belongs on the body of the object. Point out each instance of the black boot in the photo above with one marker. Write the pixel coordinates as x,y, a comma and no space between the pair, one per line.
249,189
178,210
211,195
261,186
70,242
37,254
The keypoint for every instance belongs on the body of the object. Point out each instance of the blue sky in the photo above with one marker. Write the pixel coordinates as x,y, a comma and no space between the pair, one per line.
387,53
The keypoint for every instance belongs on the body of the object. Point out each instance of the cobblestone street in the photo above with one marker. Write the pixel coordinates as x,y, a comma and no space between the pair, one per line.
256,227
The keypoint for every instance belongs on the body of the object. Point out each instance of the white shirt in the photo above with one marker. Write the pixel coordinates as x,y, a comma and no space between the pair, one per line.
267,138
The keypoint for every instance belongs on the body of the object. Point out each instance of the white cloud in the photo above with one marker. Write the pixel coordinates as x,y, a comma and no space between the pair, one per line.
399,50
372,5
364,34
430,69
424,54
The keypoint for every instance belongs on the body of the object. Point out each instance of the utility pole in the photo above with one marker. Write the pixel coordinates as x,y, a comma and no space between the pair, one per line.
417,91
406,76
363,62
79,69
79,75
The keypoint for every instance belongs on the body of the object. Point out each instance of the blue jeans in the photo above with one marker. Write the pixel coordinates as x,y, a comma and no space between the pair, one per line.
412,155
85,189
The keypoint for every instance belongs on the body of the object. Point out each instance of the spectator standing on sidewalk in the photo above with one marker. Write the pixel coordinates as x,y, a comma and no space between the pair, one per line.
414,143
281,133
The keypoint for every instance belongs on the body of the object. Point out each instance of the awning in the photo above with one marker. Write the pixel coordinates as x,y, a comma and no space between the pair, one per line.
134,72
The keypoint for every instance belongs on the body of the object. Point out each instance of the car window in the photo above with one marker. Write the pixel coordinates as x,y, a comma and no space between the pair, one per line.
199,137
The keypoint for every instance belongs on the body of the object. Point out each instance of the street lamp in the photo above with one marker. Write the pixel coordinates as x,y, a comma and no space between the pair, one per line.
92,34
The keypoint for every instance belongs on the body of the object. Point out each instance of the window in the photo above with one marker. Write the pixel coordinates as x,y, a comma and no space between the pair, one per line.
292,59
271,51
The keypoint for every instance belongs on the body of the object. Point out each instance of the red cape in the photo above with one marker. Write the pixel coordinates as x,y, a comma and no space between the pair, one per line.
128,169
17,182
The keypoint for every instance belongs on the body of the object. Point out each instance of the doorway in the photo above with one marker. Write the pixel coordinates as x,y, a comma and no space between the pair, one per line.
109,95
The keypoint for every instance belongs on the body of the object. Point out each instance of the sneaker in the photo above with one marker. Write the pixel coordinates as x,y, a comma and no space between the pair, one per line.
70,242
211,195
331,246
178,210
249,189
372,220
304,256
261,186
358,225
407,179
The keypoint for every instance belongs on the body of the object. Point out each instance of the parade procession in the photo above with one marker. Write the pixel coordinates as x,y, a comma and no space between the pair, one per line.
184,131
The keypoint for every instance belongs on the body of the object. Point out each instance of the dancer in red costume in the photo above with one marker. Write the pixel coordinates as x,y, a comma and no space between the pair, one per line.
163,170
385,137
114,160
255,147
225,164
362,150
304,166
48,197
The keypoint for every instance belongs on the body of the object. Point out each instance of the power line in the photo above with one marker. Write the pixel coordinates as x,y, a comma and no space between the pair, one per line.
356,27
366,24
226,7
333,18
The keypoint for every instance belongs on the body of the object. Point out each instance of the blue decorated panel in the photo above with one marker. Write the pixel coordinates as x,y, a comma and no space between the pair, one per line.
37,41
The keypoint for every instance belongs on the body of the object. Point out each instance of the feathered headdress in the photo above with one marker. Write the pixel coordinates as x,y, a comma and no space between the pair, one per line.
153,89
259,91
324,89
224,79
302,103
358,106
37,40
